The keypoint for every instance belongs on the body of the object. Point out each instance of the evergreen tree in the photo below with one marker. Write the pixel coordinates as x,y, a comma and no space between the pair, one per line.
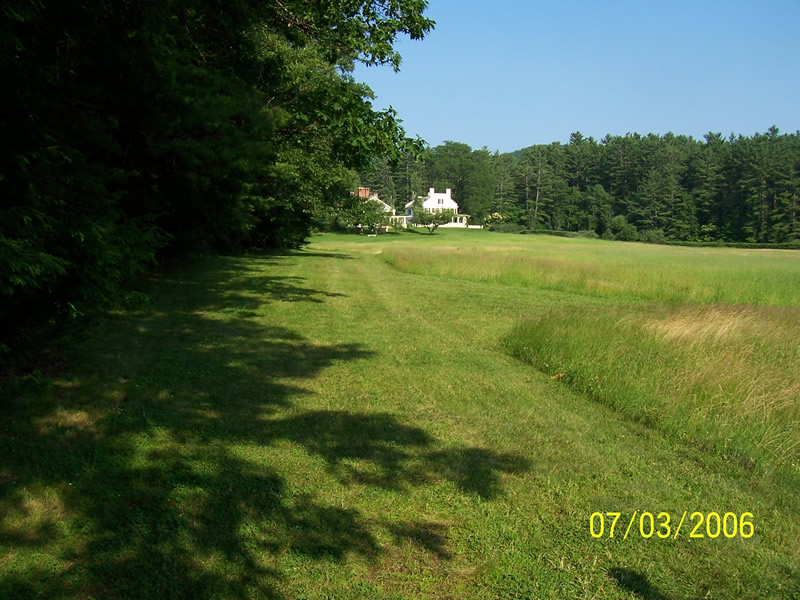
479,185
503,172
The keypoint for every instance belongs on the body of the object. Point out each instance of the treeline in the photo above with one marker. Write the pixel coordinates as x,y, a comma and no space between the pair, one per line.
133,129
656,188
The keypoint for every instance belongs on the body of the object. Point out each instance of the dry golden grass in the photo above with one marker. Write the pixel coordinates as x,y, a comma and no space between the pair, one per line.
744,369
718,323
725,375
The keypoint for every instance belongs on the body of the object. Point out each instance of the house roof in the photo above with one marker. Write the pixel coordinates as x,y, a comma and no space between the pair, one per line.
440,197
386,206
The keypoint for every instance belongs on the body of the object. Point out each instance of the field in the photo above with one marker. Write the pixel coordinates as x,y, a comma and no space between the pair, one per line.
415,416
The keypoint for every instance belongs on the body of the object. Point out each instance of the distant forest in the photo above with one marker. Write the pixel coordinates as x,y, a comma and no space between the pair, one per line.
649,187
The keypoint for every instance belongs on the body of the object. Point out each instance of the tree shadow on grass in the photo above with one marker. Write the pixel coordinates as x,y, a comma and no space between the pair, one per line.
376,449
318,254
636,583
419,231
431,537
233,283
477,470
148,470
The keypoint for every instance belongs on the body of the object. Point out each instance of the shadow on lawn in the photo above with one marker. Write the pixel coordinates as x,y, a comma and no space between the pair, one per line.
148,473
636,583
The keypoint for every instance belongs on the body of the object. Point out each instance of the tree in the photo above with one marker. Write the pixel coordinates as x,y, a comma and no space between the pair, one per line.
468,173
598,209
379,176
503,171
710,183
431,220
537,184
447,165
650,206
137,129
479,185
581,161
621,174
622,230
373,216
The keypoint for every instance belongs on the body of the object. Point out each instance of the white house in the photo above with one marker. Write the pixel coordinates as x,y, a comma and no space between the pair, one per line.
437,202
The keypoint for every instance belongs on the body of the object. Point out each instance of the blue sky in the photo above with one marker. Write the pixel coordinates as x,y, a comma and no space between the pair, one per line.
506,74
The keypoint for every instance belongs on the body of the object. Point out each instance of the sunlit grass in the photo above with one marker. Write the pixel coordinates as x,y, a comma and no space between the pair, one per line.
723,378
699,342
324,425
614,269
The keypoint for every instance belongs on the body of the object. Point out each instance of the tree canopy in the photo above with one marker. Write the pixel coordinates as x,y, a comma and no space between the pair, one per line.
431,220
134,129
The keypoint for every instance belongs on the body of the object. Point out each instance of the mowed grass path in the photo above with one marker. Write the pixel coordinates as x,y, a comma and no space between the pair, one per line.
324,425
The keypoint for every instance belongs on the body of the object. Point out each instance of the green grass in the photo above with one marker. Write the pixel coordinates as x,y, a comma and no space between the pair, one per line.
613,270
722,378
348,422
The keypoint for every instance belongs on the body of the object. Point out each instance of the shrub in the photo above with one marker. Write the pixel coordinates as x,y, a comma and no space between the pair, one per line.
653,236
506,228
623,230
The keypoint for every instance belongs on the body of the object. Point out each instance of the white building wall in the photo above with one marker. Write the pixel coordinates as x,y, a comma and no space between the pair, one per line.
437,202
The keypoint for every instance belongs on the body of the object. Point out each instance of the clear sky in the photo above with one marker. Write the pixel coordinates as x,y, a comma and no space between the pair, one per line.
508,74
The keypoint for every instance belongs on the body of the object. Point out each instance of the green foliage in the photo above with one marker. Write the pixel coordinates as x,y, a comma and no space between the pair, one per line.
431,220
373,216
506,227
249,434
622,230
361,215
137,130
742,190
469,173
653,236
688,372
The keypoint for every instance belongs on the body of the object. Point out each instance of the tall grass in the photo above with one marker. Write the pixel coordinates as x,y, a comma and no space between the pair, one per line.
632,271
724,378
700,343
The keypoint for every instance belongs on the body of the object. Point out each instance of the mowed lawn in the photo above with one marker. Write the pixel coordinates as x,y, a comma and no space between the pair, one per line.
414,416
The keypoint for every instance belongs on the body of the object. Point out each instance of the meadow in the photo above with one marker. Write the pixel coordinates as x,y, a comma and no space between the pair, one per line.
702,343
415,416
